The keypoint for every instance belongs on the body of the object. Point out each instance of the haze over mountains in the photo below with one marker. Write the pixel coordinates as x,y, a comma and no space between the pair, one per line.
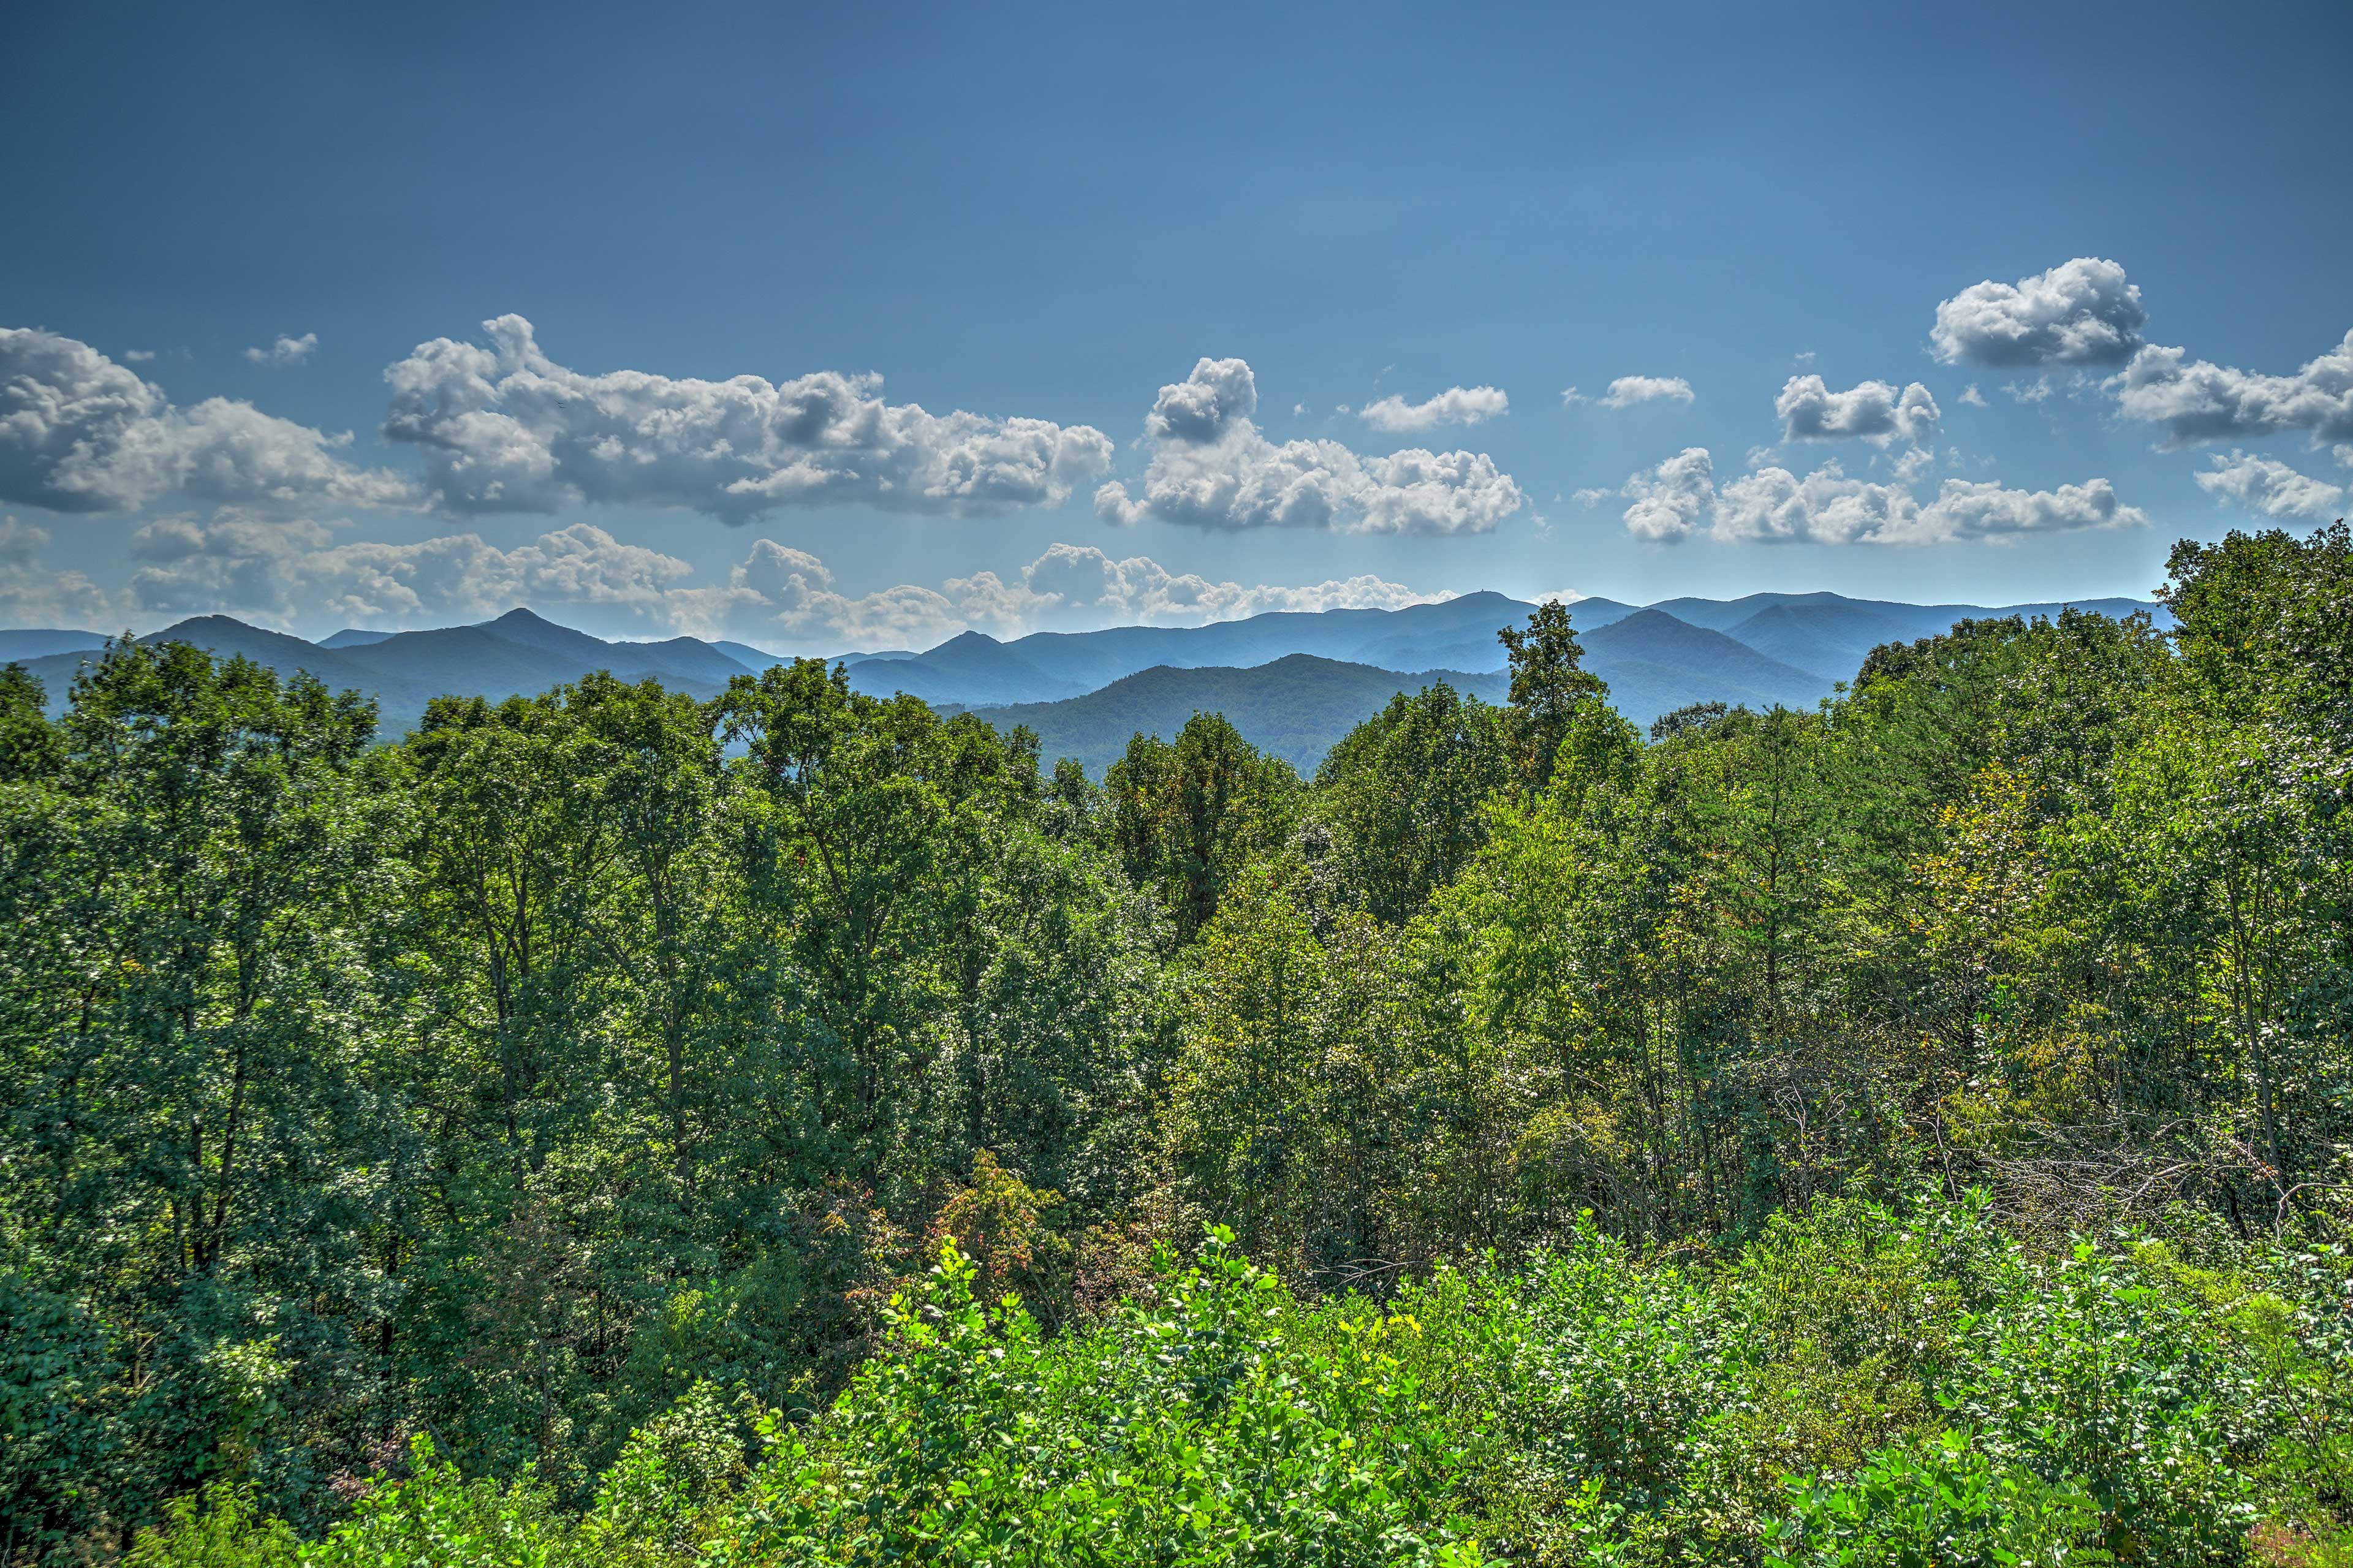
1293,683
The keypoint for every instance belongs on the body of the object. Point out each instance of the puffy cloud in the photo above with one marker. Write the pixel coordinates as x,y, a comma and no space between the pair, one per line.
1874,411
2196,400
505,428
1218,397
1669,500
1829,507
1211,467
80,433
1455,405
1629,390
1973,398
285,352
2270,487
137,356
2079,312
2035,391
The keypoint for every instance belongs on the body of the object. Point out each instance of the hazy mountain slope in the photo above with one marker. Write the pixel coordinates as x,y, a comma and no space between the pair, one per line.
1458,633
355,637
1831,636
518,654
966,670
38,643
1655,664
752,659
226,637
1297,707
1828,640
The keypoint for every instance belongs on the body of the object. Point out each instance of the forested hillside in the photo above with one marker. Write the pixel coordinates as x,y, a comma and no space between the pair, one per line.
791,1127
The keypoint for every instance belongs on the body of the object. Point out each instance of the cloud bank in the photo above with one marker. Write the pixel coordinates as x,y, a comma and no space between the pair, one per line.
1670,502
504,429
80,433
2197,401
1212,469
2268,486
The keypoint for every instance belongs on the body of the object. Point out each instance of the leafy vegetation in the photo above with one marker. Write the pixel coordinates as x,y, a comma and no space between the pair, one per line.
793,1127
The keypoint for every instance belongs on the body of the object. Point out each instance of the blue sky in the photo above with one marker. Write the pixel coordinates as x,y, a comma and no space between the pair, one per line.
1047,218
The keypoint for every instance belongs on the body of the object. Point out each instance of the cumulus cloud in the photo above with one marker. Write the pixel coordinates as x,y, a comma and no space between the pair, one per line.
137,356
1871,411
1211,467
1973,398
1669,500
1455,405
2196,400
1827,506
2268,486
80,433
2079,312
505,428
285,352
1629,390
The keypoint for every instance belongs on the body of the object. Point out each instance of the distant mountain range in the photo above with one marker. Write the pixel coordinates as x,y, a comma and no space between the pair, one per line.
1293,682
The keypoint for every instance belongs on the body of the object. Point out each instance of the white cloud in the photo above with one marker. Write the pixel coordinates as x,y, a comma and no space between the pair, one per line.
1669,500
285,352
1911,463
1973,398
1873,411
1212,469
80,433
2343,452
2035,391
1589,497
1629,390
2079,312
2268,486
137,356
1455,405
505,428
1828,507
2197,400
1570,396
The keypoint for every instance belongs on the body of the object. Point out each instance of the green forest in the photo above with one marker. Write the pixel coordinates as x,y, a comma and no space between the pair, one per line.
794,1128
